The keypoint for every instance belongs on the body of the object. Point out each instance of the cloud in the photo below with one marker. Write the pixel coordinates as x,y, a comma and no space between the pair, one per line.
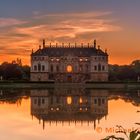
68,25
4,22
20,36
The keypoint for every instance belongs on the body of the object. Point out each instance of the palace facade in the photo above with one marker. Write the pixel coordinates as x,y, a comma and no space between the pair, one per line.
71,63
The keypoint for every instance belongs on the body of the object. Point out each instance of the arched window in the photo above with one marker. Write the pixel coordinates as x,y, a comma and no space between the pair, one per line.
69,68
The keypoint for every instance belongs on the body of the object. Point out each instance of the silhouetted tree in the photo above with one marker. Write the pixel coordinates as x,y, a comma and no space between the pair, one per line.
14,71
125,72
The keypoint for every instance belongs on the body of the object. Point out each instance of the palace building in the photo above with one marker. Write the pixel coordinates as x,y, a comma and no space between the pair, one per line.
69,63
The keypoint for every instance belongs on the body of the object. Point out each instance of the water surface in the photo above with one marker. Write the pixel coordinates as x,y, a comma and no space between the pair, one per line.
56,114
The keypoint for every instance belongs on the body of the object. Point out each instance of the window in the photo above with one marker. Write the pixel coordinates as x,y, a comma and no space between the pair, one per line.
80,100
35,101
69,100
57,68
80,68
95,101
51,68
75,68
103,68
103,101
35,67
51,100
52,59
43,101
43,68
51,76
95,68
99,67
39,101
87,68
57,59
99,102
57,100
69,68
39,67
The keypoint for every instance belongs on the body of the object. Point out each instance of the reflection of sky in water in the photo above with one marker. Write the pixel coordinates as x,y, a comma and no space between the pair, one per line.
16,121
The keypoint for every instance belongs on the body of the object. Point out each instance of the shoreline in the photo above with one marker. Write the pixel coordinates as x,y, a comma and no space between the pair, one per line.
45,85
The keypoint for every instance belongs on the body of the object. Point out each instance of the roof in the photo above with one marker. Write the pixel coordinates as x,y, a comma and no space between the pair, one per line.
64,51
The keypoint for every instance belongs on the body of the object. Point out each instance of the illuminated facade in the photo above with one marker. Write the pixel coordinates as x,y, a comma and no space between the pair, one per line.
69,63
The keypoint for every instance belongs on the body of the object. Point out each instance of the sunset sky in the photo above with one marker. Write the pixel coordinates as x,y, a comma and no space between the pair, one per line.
114,23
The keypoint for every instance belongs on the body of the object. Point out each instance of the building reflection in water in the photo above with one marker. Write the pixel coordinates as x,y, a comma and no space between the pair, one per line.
69,105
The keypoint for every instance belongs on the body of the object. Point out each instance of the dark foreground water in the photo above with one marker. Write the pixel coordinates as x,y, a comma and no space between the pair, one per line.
67,114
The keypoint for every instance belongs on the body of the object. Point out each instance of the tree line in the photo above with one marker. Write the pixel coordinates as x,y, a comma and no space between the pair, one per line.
16,71
125,72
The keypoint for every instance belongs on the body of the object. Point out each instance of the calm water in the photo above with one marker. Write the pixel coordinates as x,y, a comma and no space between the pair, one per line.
57,114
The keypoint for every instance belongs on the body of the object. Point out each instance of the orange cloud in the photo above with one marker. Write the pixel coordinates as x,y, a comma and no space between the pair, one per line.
4,22
23,35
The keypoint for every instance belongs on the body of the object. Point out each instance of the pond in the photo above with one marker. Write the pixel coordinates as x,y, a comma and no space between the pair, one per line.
70,113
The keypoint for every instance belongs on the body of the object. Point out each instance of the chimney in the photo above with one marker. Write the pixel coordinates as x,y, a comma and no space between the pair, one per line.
32,51
63,45
43,43
94,43
75,45
105,50
50,45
